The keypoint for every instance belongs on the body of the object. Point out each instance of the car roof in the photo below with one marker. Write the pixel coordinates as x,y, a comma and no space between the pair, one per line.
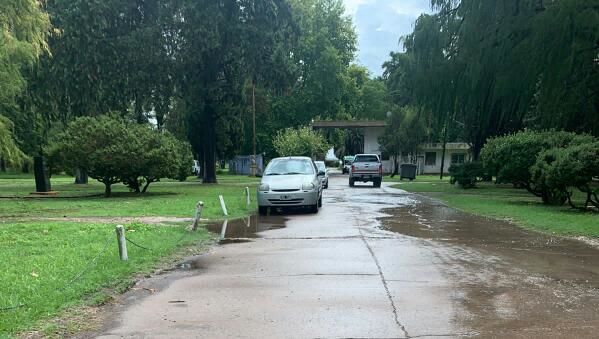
293,158
319,162
369,154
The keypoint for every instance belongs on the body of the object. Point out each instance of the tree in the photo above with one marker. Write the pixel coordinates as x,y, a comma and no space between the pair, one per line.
237,39
113,150
403,134
10,154
300,142
478,56
24,28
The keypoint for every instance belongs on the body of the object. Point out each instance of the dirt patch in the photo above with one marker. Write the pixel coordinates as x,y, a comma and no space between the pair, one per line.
120,220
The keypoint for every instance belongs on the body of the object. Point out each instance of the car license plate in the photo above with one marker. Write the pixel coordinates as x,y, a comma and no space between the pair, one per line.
285,197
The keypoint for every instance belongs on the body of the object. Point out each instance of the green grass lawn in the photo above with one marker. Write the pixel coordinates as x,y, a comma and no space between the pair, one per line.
165,198
505,202
42,259
51,267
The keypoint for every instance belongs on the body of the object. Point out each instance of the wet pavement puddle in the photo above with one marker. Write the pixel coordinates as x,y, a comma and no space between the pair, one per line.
244,229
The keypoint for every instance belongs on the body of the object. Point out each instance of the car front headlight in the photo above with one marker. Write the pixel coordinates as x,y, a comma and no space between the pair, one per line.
264,187
308,186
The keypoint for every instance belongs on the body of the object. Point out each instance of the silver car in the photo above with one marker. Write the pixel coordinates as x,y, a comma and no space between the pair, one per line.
290,182
322,168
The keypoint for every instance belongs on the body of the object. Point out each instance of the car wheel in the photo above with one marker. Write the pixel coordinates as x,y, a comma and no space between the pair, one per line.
314,208
262,210
320,201
351,182
377,183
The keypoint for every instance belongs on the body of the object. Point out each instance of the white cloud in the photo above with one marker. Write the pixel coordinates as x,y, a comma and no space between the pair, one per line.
351,6
380,24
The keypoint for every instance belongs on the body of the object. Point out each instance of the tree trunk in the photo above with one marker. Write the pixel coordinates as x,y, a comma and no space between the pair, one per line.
395,166
148,182
25,167
107,189
209,145
42,180
2,165
443,152
81,177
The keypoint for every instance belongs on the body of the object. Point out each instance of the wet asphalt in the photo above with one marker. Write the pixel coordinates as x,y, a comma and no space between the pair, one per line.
373,263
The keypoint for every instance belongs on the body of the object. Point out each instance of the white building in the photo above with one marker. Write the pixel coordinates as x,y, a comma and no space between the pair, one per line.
430,156
428,159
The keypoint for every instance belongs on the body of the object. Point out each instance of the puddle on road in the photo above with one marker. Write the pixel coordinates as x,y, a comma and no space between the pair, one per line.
555,257
507,281
242,230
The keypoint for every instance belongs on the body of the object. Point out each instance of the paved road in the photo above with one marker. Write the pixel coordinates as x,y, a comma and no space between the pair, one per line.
374,263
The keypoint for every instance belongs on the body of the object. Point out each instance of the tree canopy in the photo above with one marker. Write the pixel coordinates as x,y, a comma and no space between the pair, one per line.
489,68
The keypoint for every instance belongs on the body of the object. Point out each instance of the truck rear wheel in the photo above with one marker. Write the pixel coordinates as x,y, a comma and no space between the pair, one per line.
351,182
377,183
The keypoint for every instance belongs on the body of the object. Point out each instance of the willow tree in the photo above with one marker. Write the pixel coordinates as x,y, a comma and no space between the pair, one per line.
494,67
24,28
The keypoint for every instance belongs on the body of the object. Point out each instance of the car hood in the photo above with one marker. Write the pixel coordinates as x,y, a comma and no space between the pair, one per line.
286,182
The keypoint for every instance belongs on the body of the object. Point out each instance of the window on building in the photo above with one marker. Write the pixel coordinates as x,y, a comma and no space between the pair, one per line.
458,158
430,158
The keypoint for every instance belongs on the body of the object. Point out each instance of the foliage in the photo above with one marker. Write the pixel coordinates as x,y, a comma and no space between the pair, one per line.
300,142
467,174
511,159
185,161
559,170
9,151
479,53
24,28
405,130
112,150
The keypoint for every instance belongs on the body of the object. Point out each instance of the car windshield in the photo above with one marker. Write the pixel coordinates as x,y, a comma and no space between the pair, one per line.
320,165
289,167
366,158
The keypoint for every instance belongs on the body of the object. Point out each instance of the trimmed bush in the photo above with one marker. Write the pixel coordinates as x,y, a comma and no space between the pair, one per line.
300,142
466,175
511,157
113,150
560,170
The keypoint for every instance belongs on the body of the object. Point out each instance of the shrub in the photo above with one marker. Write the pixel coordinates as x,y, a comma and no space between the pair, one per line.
112,150
300,142
467,174
185,160
511,157
559,170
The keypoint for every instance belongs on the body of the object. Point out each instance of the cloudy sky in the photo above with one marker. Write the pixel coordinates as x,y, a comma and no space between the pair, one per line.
380,24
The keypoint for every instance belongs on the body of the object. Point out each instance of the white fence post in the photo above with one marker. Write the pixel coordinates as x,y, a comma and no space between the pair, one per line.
120,236
247,194
196,221
223,230
222,205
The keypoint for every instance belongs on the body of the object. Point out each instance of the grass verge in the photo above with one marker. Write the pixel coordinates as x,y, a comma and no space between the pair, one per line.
505,202
166,198
50,267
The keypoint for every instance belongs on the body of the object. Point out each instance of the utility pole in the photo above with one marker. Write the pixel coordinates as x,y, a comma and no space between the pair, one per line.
253,162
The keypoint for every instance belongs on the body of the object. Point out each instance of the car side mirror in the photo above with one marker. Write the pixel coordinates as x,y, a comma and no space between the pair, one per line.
321,173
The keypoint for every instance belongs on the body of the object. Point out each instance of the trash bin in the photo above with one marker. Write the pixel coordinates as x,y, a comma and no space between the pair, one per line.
407,171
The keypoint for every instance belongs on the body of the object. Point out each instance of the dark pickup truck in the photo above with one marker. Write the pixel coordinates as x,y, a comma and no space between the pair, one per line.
365,168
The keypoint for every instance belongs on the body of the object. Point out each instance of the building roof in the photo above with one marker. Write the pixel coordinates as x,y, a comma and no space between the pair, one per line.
348,123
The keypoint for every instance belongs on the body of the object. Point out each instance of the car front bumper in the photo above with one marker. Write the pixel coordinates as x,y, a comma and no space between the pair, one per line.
287,199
